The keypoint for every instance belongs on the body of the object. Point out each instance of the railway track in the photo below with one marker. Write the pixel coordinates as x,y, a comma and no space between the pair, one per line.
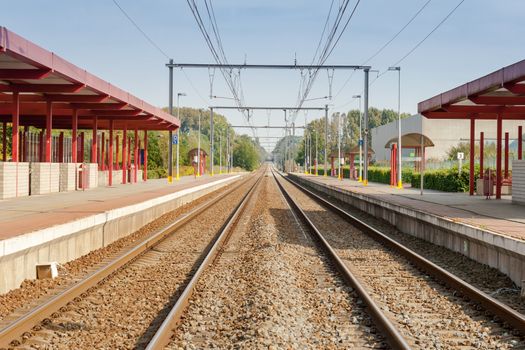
86,314
269,287
429,307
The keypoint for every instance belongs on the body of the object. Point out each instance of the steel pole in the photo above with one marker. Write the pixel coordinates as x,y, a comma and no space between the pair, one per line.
399,145
360,142
316,159
365,121
170,133
339,147
325,140
220,153
178,137
199,148
212,149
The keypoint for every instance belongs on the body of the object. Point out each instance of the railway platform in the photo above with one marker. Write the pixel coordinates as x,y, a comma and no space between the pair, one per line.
64,226
488,231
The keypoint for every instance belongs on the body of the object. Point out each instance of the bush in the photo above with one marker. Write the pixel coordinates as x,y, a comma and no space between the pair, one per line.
446,180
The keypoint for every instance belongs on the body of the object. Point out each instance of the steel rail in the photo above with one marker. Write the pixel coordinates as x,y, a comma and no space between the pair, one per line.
392,335
26,322
163,335
506,313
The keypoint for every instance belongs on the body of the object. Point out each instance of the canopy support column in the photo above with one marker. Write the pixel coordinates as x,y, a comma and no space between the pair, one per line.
74,127
498,156
520,142
15,125
103,151
81,152
117,145
49,130
145,168
506,155
4,141
94,141
124,153
472,154
110,153
129,159
61,147
481,153
136,155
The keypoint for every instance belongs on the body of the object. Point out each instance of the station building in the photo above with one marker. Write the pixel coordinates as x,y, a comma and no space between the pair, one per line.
64,122
444,134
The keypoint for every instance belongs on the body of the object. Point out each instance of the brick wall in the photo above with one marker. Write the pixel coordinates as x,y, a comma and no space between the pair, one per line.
14,179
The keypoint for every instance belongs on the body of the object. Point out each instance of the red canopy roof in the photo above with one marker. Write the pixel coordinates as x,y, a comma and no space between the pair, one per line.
41,76
501,92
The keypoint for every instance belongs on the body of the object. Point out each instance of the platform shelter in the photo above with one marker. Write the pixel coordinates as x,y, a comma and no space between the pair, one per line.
497,96
193,155
64,122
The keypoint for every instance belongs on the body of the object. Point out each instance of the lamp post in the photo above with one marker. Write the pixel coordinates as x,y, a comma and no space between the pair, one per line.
339,146
199,147
360,140
399,147
179,94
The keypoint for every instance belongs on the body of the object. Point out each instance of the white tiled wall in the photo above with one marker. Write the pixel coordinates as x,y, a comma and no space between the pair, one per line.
14,179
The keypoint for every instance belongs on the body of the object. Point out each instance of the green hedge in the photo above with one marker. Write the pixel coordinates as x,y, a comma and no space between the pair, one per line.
446,180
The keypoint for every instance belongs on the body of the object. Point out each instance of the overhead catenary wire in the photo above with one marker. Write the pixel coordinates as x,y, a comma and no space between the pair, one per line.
156,46
388,42
148,38
415,47
329,46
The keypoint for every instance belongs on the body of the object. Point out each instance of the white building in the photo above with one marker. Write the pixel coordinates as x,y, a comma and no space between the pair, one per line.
444,133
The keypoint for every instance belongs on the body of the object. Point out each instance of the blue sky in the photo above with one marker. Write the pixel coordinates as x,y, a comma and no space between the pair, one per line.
481,36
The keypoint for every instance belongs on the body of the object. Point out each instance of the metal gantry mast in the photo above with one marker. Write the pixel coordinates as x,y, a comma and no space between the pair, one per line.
366,70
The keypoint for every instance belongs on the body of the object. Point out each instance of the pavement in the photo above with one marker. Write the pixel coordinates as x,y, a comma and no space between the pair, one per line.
501,216
28,214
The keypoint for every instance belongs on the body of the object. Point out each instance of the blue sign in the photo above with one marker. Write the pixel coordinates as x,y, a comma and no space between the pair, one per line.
174,139
360,142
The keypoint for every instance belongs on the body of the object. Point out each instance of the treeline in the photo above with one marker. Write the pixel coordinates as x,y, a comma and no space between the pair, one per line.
349,131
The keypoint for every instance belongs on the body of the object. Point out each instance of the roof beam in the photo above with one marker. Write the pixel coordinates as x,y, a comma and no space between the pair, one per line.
124,112
99,106
16,74
41,87
518,89
76,98
498,100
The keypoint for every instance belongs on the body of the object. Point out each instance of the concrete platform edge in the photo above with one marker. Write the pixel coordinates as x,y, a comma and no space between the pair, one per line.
507,254
66,242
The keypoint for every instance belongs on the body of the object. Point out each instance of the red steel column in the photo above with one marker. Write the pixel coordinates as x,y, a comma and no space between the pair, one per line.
472,154
498,156
506,155
4,141
117,144
124,153
41,146
110,153
481,155
74,127
129,159
145,171
102,151
81,152
49,130
94,141
61,147
520,142
136,155
15,120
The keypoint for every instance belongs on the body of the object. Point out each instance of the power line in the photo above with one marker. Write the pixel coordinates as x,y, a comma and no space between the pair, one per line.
386,43
140,30
429,34
419,43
